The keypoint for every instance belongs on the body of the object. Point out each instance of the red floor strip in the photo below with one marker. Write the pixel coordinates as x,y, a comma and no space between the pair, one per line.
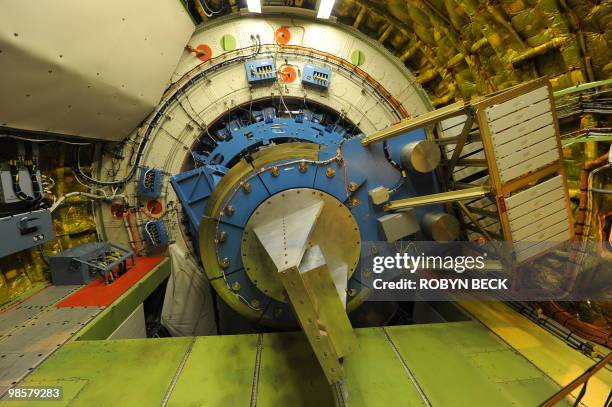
98,294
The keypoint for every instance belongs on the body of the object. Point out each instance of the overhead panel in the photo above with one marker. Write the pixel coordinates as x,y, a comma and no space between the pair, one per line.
87,68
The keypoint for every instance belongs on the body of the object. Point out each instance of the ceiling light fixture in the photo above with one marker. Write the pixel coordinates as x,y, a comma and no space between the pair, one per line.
254,6
325,8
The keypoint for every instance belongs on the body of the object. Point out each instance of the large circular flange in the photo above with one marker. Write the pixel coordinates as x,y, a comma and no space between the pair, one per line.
335,232
221,195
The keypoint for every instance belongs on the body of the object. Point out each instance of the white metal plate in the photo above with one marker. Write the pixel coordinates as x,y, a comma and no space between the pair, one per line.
529,165
520,116
521,197
517,103
88,68
502,150
520,156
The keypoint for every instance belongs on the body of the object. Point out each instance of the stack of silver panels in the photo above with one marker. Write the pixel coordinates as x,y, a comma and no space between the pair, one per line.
523,134
538,218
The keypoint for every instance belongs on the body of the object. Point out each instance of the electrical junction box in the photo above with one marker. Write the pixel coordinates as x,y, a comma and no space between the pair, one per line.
25,230
150,182
379,195
398,225
155,234
317,76
260,71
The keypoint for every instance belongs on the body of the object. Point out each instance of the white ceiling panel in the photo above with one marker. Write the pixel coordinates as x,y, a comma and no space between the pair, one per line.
87,68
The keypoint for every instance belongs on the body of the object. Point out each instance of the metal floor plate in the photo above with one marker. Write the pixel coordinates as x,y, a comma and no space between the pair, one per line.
17,315
28,345
458,364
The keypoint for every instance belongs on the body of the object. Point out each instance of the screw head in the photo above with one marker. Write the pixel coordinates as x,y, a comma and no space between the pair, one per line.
236,286
330,172
224,262
303,167
352,186
230,210
222,237
275,171
355,202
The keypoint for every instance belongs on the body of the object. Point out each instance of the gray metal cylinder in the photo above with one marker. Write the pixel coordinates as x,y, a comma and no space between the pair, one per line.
440,226
422,156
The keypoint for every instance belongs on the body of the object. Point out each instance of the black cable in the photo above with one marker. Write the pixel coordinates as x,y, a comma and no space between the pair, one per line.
14,171
46,140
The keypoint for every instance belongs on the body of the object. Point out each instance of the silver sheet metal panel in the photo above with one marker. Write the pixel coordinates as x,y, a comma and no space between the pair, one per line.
522,134
27,346
32,306
33,329
538,217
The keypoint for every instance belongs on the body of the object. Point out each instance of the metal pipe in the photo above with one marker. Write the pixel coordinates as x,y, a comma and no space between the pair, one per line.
582,379
409,51
442,197
582,87
360,17
85,194
385,33
539,50
407,125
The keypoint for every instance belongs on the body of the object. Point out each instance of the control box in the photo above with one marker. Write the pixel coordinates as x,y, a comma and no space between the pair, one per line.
396,226
260,71
317,76
155,234
22,231
150,182
82,263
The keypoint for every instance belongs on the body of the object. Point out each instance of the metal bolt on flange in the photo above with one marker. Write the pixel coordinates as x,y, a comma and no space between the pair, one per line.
330,172
246,187
355,202
224,262
230,210
275,171
303,167
352,186
236,286
222,237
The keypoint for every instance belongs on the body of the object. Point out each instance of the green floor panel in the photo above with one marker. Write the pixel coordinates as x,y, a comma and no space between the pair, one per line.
117,372
514,366
375,375
290,374
537,390
218,372
464,364
455,364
